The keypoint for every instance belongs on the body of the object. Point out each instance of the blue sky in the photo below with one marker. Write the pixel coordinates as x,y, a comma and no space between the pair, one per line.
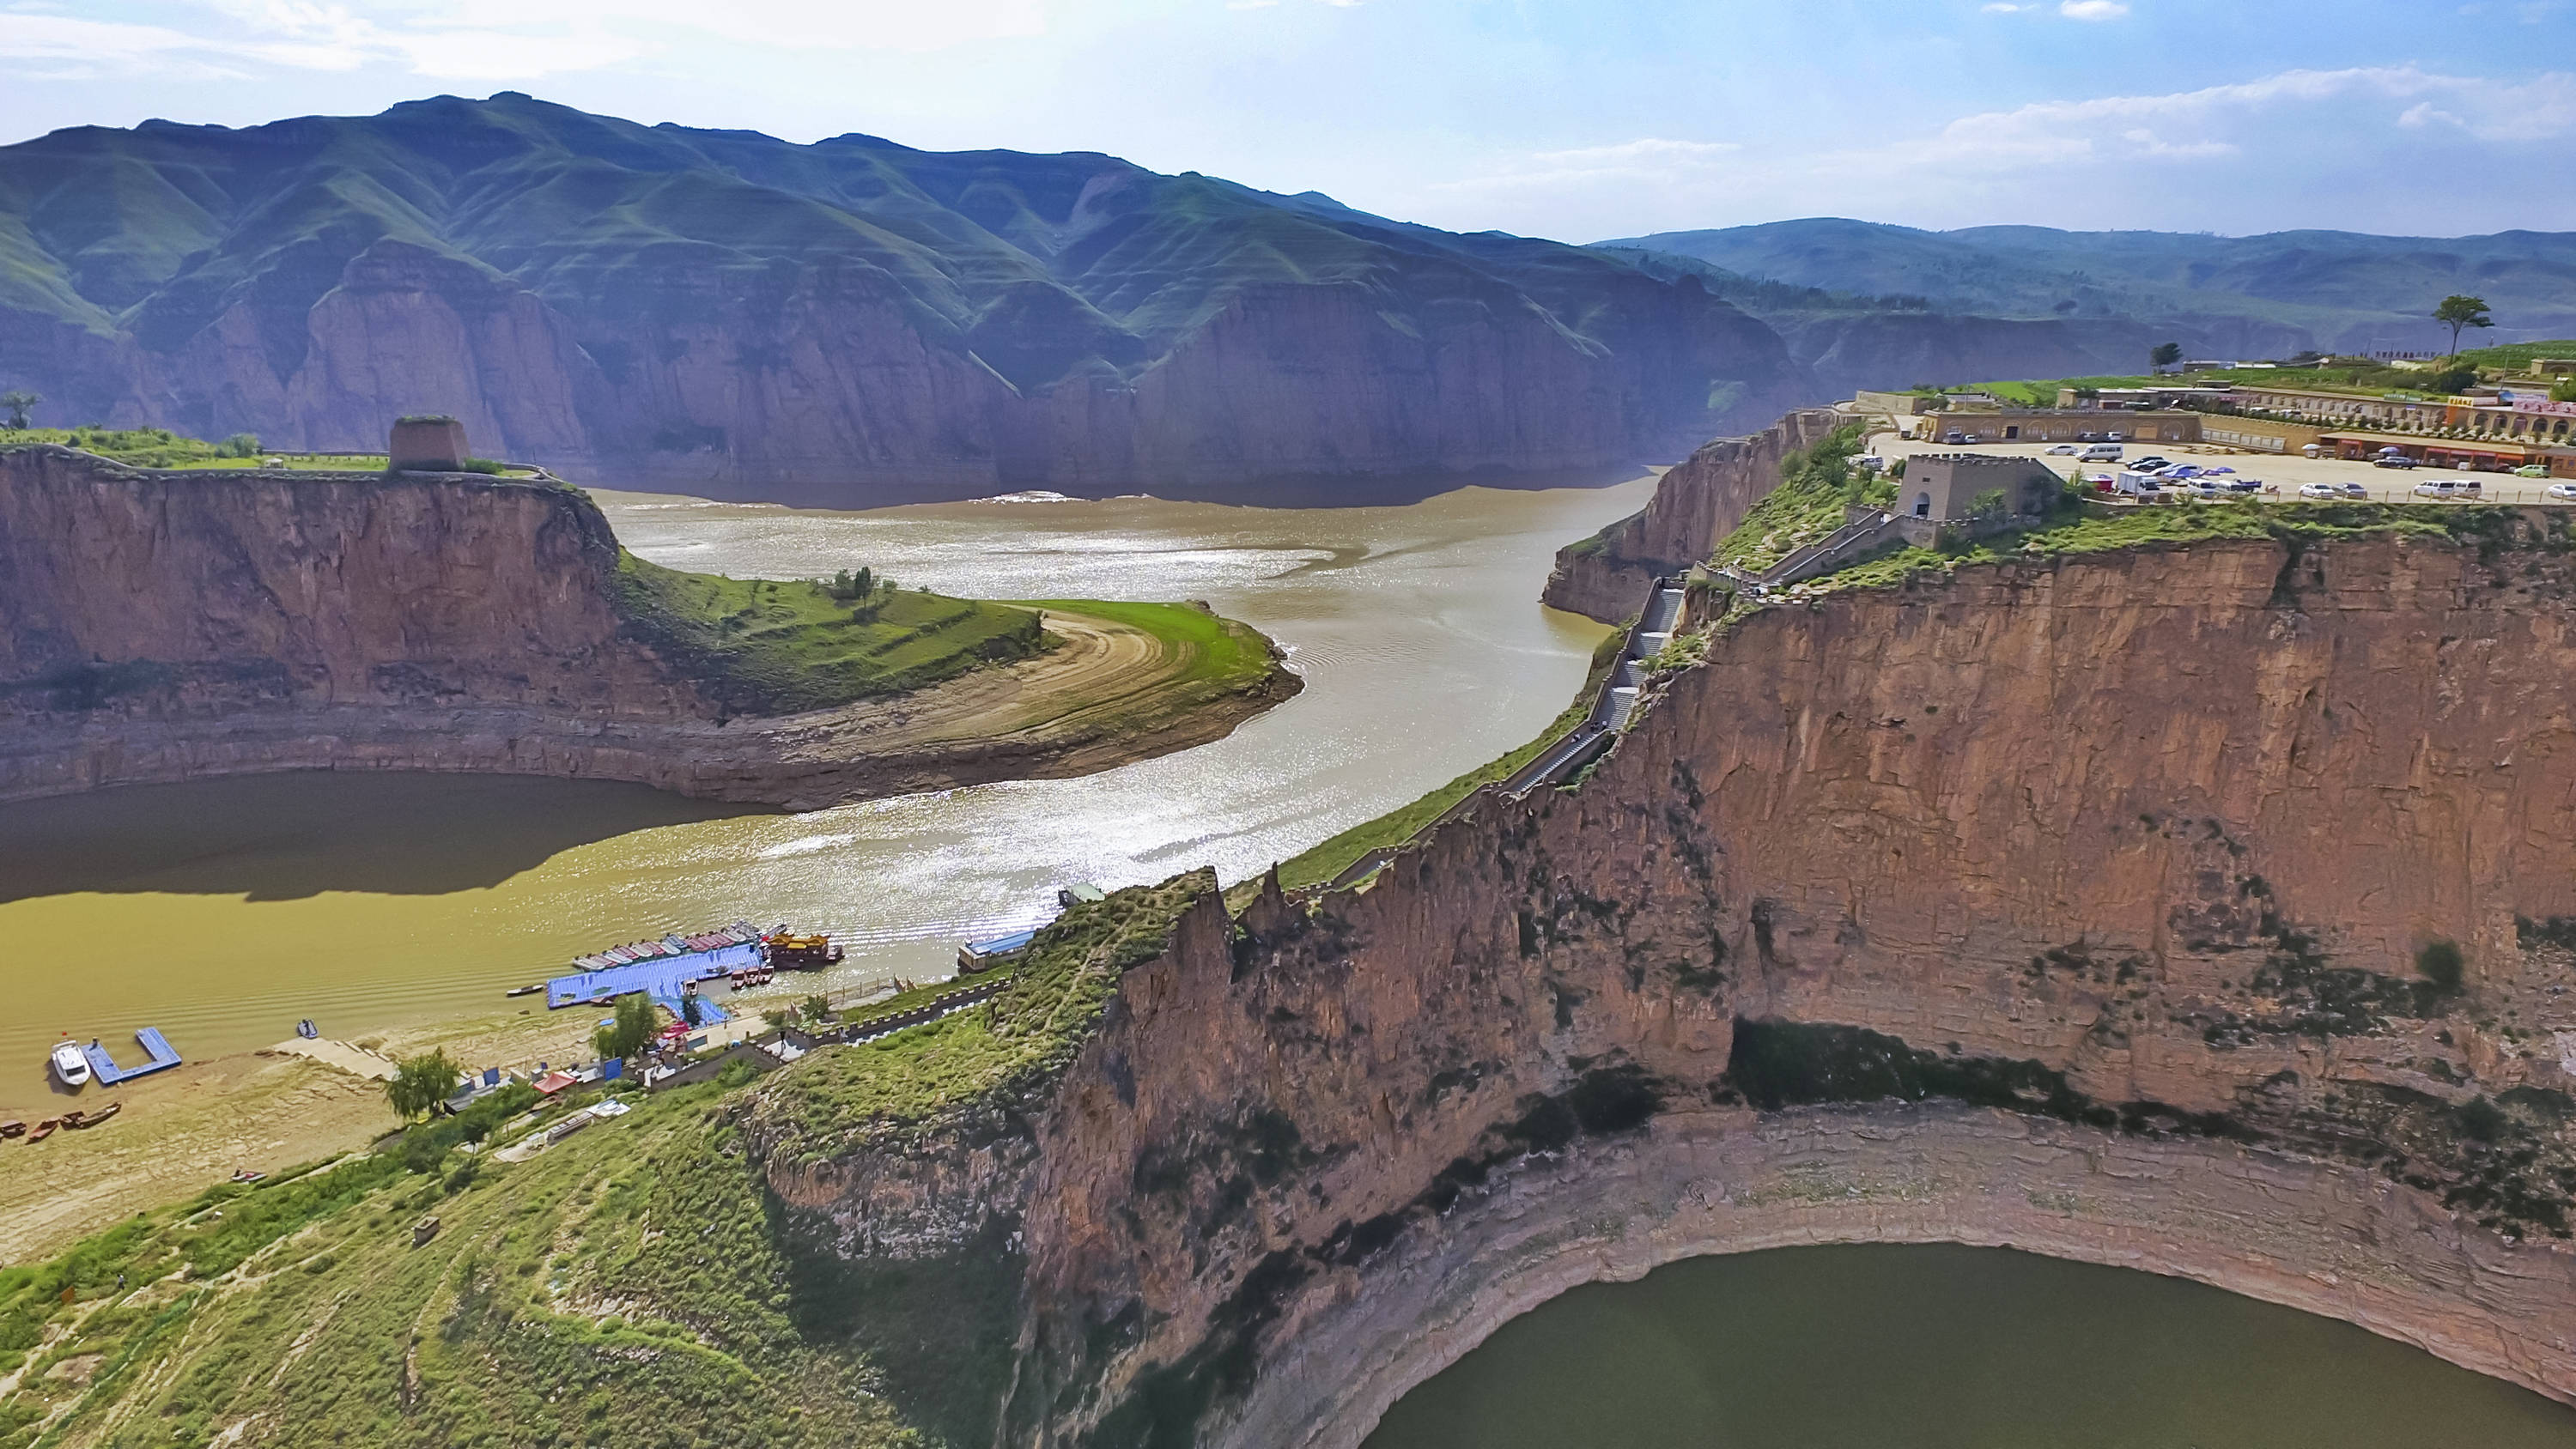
1578,121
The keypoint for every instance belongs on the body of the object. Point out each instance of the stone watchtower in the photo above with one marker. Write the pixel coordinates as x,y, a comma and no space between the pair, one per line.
427,443
1944,487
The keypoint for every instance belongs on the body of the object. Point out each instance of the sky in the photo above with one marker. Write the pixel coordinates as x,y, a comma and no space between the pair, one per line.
1573,121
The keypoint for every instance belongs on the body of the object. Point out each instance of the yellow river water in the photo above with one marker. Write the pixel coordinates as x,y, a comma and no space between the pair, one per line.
224,911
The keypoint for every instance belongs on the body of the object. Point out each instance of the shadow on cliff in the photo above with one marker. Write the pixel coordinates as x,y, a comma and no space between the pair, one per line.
292,835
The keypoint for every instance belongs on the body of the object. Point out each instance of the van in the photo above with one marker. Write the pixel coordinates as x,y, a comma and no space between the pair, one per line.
2100,453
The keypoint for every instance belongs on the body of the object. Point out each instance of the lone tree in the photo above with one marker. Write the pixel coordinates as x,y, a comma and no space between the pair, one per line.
16,404
629,1030
2459,313
420,1083
2165,355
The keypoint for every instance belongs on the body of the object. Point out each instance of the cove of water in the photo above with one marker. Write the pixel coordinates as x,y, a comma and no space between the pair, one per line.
1941,1347
222,911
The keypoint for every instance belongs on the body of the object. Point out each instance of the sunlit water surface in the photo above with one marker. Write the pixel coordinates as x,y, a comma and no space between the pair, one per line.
223,911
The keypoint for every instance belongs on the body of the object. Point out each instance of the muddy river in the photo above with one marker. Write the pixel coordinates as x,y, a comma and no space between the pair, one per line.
1947,1348
224,911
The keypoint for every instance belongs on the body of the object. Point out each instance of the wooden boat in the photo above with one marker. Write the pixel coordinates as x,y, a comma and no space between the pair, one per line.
13,1128
78,1120
529,990
44,1129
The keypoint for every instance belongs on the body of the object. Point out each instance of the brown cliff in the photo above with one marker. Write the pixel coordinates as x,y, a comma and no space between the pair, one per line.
1695,504
2107,906
159,626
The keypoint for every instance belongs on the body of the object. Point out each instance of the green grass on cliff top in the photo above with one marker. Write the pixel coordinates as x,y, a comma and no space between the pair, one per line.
161,448
1816,487
834,1102
773,646
2080,529
635,1283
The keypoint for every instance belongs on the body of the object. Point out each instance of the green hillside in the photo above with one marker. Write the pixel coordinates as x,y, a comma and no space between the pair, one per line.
635,1283
773,646
661,248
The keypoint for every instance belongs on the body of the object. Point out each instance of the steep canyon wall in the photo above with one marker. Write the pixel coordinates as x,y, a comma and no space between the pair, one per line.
2199,909
1696,504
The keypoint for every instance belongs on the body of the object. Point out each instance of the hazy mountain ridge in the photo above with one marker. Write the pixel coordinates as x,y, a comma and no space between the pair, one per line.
2324,289
723,309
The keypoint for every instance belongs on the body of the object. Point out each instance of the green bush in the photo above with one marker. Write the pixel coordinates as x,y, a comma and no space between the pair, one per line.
2441,963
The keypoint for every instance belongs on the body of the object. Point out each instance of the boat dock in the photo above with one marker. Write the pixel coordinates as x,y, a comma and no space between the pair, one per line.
664,978
162,1056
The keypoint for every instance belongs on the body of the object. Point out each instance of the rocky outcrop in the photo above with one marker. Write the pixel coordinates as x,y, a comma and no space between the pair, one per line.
159,626
2204,910
1695,505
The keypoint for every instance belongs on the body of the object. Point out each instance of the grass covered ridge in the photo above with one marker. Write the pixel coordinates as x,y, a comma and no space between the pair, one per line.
1815,488
2081,530
161,448
634,1284
773,646
843,1100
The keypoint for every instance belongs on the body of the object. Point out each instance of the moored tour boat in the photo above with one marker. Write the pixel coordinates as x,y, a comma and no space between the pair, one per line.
70,1067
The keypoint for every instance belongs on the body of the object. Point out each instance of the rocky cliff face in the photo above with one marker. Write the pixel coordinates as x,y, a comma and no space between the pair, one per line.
1695,505
159,626
2203,910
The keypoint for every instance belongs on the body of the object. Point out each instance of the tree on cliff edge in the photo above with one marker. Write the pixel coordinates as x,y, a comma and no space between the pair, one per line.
2457,312
16,405
2165,355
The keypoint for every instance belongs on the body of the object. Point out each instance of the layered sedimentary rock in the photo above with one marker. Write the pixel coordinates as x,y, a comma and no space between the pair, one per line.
2203,909
159,626
1695,505
848,322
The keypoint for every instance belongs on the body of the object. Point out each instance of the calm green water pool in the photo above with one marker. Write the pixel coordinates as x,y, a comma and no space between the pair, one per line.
1882,1347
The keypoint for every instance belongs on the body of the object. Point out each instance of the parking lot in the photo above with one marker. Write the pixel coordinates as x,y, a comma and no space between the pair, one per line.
2385,485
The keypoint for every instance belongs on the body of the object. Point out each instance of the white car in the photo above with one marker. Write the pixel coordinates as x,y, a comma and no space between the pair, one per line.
2565,492
2446,488
2319,490
2062,450
2353,490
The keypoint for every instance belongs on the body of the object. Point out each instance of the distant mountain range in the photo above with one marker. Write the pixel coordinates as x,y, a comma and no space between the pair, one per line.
2116,292
857,322
851,321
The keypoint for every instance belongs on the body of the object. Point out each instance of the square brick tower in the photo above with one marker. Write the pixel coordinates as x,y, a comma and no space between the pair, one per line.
427,443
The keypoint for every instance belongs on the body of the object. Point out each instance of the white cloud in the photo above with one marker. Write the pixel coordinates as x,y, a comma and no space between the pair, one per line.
2092,9
2033,158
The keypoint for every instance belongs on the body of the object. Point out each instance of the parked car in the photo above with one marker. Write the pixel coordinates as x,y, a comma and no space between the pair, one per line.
2564,492
2392,460
2531,470
2353,490
2245,485
1869,462
1954,437
2203,488
2447,488
2150,464
2062,450
2100,453
2319,490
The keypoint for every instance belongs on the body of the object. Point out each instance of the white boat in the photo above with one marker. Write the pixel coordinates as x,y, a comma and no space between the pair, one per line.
71,1066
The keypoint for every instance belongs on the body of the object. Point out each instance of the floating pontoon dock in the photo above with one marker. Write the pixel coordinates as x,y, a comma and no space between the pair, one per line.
163,1056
